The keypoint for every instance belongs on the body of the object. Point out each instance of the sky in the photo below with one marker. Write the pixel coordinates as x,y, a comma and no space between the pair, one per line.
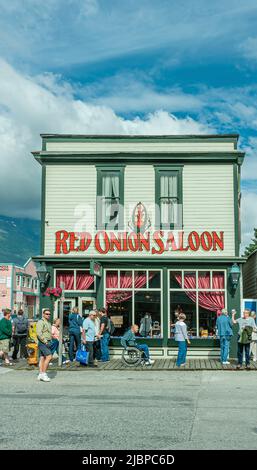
134,67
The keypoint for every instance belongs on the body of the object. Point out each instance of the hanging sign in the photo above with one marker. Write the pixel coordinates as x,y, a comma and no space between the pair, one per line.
95,268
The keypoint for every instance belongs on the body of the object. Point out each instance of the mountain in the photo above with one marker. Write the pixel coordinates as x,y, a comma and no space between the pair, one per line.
19,239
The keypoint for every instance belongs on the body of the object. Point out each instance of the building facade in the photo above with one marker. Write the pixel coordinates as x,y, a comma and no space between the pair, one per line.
19,288
145,225
250,277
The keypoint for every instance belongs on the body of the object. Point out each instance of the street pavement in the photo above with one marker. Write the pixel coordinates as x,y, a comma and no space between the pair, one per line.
128,410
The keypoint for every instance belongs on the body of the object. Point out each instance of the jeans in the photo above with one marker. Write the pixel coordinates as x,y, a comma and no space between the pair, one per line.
74,338
240,350
224,348
105,347
145,349
20,343
55,348
97,350
90,349
182,353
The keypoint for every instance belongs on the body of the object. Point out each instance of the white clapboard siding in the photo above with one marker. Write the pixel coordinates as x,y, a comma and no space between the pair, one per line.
208,202
103,147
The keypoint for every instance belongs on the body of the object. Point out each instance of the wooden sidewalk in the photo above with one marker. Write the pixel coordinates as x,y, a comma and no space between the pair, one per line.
160,364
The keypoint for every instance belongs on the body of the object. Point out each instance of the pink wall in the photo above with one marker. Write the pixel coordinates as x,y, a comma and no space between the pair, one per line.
6,272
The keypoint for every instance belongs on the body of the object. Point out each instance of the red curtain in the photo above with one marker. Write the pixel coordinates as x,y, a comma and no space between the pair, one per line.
212,301
84,280
67,277
125,283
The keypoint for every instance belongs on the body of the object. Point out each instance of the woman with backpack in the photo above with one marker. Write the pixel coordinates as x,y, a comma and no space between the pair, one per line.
75,329
182,339
20,328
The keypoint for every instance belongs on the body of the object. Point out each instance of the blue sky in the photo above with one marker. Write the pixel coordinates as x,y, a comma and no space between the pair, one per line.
108,66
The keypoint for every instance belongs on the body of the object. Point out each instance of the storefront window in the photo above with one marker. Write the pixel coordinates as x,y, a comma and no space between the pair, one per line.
183,302
200,301
66,277
175,279
148,313
84,280
120,310
131,302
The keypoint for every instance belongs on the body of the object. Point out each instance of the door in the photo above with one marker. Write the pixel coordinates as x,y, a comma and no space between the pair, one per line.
86,304
67,308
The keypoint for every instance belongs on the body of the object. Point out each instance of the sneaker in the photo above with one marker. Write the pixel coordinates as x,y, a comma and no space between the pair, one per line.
226,363
248,367
149,362
92,365
239,367
40,375
45,378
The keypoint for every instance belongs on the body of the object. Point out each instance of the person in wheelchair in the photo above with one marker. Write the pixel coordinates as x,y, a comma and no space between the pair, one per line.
129,339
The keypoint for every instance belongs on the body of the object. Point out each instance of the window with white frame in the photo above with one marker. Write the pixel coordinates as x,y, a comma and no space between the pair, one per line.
23,281
135,297
18,280
75,280
200,294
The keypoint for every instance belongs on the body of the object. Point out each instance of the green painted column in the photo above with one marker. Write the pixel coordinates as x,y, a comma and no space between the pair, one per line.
165,300
100,291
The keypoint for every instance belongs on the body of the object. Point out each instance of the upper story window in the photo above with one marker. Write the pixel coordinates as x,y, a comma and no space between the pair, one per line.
18,280
110,198
168,195
23,281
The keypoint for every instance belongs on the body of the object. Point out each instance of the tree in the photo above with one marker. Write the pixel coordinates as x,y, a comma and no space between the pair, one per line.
252,246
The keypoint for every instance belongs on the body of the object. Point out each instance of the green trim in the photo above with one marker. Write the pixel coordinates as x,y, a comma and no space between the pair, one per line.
12,284
168,170
43,202
101,170
59,261
197,342
74,158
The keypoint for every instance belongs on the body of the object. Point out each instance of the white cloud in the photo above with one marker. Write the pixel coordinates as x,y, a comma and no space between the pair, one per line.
249,48
249,216
30,106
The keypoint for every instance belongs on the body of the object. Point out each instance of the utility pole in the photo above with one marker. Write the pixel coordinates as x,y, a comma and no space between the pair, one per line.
62,286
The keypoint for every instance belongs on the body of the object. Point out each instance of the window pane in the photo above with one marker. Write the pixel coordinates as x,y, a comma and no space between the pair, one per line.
112,279
66,277
120,310
154,279
148,313
175,279
140,279
111,198
182,301
126,280
190,280
204,279
209,303
218,281
67,306
84,280
168,198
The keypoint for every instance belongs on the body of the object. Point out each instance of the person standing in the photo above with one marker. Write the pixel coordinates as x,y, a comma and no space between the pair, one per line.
253,345
55,339
105,335
225,333
20,328
246,327
88,336
5,336
182,339
44,337
75,329
97,343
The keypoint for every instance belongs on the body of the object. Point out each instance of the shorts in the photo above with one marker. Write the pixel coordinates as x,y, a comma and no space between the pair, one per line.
5,345
44,349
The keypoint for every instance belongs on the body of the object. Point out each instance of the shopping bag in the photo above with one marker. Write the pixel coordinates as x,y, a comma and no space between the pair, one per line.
82,355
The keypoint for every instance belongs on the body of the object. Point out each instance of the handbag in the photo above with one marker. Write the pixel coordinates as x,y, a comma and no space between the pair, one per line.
82,355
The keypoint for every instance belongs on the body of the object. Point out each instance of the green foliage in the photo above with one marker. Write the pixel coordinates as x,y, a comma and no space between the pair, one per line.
252,246
19,239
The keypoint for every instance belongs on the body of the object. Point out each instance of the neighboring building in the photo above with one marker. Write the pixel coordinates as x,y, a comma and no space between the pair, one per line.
164,235
19,288
250,277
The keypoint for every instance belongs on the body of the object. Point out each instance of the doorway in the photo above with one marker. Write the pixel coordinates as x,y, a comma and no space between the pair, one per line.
86,304
67,308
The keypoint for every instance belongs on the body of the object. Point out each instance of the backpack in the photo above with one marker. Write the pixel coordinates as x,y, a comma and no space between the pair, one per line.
110,326
246,335
21,326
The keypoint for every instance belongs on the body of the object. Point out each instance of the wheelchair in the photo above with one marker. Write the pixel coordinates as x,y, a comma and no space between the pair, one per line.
132,356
